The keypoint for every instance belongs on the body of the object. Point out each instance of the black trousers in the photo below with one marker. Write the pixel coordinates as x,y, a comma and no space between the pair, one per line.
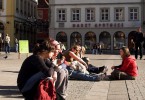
138,47
119,75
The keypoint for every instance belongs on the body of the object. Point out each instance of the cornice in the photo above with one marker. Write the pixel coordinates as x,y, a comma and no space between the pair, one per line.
118,3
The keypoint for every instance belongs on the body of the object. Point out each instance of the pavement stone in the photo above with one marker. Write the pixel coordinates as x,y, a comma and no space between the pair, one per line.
77,90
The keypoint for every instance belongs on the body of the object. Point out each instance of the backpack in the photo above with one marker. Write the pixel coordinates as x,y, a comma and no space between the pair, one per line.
46,90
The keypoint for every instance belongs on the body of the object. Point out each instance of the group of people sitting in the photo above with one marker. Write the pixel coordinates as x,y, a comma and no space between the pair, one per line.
44,75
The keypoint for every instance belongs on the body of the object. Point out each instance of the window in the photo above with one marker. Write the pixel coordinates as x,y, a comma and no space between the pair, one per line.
75,14
90,14
105,14
119,14
1,4
133,14
61,15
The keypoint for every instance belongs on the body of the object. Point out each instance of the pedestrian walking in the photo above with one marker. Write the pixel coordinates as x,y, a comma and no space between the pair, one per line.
138,43
16,45
95,49
7,44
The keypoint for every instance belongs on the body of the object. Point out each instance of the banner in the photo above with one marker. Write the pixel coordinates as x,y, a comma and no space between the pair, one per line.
23,46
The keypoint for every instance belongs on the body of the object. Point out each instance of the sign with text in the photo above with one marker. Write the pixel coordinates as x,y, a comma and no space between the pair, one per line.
23,46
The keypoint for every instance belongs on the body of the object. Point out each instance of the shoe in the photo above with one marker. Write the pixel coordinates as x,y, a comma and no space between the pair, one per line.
102,76
107,78
140,58
103,69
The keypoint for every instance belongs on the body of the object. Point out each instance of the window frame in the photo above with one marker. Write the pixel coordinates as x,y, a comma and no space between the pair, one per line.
76,15
58,20
92,14
119,14
129,16
104,14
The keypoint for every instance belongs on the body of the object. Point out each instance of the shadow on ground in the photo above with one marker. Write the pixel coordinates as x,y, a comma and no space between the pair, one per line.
10,71
105,59
10,92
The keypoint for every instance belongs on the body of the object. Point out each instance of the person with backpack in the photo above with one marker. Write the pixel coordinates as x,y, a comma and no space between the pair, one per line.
35,68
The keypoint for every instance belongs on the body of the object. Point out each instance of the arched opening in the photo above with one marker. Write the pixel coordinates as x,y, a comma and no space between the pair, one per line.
62,37
75,38
131,38
1,30
105,40
1,36
118,39
90,39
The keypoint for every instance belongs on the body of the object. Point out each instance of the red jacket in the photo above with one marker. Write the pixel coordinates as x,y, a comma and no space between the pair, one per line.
46,90
129,66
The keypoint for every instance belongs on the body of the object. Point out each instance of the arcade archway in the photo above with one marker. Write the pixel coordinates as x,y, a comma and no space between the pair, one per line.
119,40
105,40
90,39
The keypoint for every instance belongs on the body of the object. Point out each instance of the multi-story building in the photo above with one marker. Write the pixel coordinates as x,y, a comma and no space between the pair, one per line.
112,23
42,21
17,18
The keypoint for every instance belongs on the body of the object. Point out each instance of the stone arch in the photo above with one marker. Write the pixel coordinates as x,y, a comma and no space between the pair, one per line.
2,29
118,40
62,37
131,36
105,40
75,38
90,39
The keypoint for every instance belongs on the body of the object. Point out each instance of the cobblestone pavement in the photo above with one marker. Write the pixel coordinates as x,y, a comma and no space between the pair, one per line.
77,90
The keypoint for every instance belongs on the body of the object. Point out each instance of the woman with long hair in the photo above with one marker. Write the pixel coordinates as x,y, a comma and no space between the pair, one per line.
128,70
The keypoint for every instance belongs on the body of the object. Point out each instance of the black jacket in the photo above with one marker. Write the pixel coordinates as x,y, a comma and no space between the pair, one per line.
32,65
139,37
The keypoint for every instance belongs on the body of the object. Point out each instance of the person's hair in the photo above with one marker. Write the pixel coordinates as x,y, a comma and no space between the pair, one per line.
83,50
125,51
74,47
44,46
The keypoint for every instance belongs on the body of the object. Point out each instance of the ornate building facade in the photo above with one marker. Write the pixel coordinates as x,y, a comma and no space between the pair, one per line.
112,23
17,18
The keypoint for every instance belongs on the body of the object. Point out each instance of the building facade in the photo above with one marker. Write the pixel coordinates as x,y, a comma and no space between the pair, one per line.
42,21
112,23
17,19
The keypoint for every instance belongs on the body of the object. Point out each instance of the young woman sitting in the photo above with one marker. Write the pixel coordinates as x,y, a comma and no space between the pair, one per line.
34,68
128,70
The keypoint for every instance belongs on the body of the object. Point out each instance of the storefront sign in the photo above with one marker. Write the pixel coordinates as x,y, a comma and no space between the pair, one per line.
98,25
23,46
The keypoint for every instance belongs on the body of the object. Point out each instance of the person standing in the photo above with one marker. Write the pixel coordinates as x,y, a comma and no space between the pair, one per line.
95,49
132,46
16,45
7,44
138,43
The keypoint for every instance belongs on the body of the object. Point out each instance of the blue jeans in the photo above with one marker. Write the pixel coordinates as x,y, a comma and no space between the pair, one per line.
95,51
7,47
81,76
